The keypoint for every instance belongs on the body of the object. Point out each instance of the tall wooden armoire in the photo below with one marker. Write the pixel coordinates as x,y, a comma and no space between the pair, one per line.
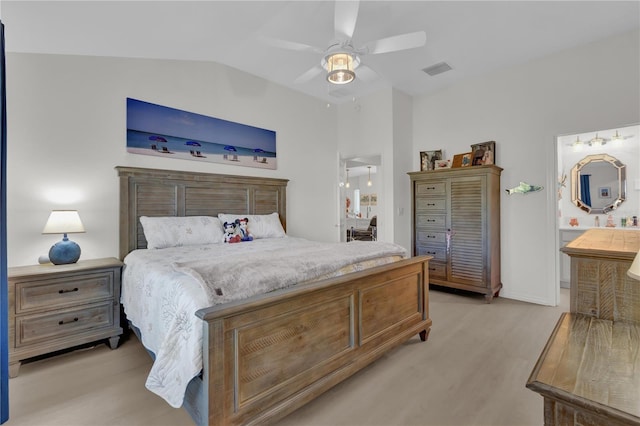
456,219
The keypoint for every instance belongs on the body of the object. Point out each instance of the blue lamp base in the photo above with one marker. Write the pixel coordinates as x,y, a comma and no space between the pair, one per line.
64,252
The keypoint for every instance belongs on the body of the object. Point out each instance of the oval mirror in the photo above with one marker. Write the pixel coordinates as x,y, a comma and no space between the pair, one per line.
598,183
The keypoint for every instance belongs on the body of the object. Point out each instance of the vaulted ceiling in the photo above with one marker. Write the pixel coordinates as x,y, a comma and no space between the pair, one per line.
473,37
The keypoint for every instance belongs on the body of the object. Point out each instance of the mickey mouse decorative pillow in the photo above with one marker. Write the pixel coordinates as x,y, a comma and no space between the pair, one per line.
230,234
243,229
262,226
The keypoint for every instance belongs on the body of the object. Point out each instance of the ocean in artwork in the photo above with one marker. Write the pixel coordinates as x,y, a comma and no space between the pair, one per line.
167,132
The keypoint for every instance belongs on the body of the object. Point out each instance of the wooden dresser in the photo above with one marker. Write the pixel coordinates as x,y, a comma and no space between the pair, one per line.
589,370
456,219
600,286
54,307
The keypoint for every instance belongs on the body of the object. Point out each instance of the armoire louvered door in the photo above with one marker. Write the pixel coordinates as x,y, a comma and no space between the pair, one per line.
466,250
456,219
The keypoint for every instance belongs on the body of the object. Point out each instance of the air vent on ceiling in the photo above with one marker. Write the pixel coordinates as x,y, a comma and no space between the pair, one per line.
438,68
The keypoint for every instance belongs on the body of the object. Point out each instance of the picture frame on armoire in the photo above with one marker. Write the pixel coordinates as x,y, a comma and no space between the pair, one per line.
484,153
428,159
462,160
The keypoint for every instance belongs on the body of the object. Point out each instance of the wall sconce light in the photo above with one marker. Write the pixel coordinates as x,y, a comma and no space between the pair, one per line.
64,222
369,183
617,138
347,185
597,141
577,145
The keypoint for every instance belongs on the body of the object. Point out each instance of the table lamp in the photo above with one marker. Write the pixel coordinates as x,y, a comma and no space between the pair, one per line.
64,222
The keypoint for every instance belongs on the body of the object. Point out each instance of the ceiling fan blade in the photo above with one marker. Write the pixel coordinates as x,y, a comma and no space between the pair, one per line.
366,74
289,45
395,43
308,75
346,15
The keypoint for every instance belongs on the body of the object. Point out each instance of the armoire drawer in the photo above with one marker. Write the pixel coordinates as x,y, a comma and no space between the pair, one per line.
430,237
437,270
431,220
428,204
431,188
439,253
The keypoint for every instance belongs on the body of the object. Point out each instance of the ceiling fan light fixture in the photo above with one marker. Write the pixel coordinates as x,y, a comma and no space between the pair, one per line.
340,68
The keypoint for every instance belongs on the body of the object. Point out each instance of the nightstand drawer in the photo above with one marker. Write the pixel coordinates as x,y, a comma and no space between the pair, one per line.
38,328
63,291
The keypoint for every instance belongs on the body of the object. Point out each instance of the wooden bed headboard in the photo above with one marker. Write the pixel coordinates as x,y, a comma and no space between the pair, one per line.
154,192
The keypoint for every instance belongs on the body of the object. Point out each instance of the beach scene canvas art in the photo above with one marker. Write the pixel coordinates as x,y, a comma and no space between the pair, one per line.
172,133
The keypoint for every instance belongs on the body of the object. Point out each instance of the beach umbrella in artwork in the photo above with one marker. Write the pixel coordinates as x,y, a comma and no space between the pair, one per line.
192,143
233,149
259,152
157,138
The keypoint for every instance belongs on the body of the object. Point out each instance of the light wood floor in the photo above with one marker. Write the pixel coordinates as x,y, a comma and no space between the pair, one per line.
471,371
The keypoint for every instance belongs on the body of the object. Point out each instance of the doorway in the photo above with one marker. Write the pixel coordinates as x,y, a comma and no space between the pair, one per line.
575,215
360,194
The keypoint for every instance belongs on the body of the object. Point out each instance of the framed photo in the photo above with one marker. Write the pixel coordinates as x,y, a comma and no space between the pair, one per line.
428,159
484,153
442,164
461,160
604,192
467,159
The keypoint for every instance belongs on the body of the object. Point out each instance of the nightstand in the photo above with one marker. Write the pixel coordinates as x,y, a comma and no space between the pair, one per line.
54,307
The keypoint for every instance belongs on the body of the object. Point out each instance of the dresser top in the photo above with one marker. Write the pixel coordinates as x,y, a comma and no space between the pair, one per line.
593,364
602,242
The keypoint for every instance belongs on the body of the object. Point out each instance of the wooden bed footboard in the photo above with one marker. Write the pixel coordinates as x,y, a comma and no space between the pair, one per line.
266,356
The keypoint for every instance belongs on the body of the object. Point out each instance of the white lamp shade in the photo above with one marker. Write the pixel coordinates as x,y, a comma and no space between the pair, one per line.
63,222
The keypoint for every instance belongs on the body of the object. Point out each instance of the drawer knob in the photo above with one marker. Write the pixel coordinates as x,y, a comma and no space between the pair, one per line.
431,204
431,220
68,291
431,236
431,252
68,322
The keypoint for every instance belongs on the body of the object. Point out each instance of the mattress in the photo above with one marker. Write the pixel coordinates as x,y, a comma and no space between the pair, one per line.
163,288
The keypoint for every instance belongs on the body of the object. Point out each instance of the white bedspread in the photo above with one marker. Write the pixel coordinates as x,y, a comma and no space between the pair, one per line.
162,289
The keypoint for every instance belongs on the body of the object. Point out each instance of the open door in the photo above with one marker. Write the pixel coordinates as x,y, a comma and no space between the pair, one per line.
4,309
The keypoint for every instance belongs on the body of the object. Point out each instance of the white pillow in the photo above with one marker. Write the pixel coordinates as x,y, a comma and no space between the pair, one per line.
260,226
176,231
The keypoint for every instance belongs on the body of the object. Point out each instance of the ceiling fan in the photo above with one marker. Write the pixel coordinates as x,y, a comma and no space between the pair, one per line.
341,59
